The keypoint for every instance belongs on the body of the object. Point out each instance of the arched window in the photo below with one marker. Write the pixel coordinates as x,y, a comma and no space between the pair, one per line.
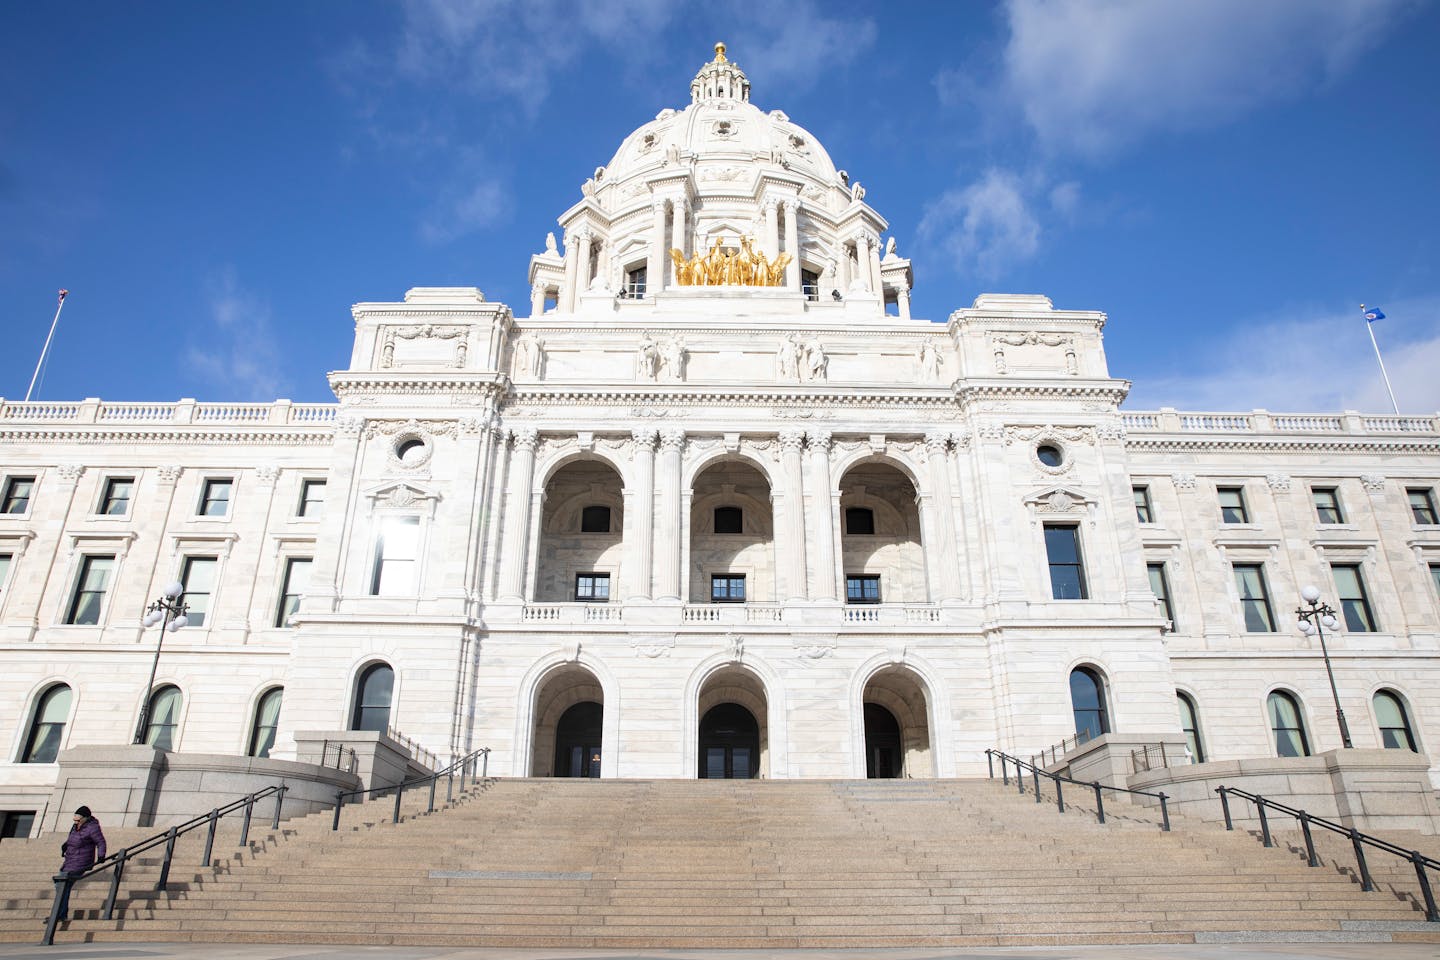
1284,714
1395,732
267,718
47,727
1190,723
163,720
595,520
1087,699
729,520
372,699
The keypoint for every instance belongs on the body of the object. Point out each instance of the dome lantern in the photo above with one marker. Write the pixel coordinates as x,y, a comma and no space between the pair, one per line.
720,79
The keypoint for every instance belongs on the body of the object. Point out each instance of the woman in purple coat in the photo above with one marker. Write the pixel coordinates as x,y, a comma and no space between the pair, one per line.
84,845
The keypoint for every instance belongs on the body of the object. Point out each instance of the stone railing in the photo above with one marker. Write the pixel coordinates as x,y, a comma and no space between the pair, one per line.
1168,420
884,614
91,410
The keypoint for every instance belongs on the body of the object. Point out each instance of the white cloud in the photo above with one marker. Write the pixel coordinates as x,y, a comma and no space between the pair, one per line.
790,45
984,227
466,210
1092,75
1308,361
240,353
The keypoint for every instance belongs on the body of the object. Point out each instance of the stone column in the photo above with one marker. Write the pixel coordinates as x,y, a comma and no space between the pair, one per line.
537,299
582,273
902,297
772,227
667,516
679,210
640,516
872,252
655,269
937,445
822,520
517,514
792,245
572,270
793,521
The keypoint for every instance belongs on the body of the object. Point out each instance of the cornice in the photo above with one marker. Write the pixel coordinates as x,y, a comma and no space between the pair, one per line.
626,395
1430,445
91,433
971,391
346,384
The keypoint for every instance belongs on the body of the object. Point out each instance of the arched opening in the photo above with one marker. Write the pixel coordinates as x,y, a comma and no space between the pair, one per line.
1285,723
732,547
729,743
897,725
880,542
373,696
569,724
265,723
581,532
162,723
1087,700
732,736
47,725
1190,724
577,740
1394,722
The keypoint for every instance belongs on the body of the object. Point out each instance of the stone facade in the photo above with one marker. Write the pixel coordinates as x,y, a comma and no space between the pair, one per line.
525,514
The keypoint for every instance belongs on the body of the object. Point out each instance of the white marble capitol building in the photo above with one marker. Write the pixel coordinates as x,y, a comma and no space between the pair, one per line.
713,504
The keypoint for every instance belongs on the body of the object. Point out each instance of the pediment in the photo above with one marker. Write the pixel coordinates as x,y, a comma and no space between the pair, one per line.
400,494
1061,500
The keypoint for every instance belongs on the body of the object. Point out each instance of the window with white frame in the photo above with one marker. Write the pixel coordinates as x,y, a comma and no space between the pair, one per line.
115,497
16,496
296,582
1160,586
265,723
1067,567
1232,505
198,576
1354,601
1254,597
312,498
1422,506
47,725
87,600
397,558
5,561
592,587
215,497
1144,509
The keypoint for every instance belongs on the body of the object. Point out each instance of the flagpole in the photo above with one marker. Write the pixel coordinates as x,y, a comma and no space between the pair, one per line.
1370,327
46,349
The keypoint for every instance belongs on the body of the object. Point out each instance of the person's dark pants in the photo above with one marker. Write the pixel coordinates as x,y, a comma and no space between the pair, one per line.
64,913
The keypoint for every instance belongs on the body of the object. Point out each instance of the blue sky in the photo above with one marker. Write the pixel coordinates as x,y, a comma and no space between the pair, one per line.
216,183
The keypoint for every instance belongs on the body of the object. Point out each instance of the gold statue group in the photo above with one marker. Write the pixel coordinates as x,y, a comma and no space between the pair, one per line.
717,267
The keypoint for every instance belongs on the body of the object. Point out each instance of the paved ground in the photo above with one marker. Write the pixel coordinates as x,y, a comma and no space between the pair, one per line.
1226,951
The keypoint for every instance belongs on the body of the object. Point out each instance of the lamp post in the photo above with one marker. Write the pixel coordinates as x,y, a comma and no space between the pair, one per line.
169,611
1314,618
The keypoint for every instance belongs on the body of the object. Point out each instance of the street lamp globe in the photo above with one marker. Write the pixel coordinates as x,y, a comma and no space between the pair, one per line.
174,588
1310,593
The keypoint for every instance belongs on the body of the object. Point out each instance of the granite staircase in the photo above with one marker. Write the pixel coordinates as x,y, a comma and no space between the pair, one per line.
766,864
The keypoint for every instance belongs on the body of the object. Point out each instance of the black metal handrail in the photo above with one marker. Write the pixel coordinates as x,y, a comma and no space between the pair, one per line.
1020,766
64,882
341,750
1358,842
1059,750
465,763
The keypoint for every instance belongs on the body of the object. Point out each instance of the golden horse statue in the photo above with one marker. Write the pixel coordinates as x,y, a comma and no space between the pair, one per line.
718,266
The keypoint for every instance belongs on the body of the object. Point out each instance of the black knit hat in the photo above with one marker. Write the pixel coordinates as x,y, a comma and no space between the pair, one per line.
83,812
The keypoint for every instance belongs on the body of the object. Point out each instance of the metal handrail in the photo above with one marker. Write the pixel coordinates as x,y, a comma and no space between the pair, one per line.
116,861
1080,738
465,763
417,752
1020,766
1358,842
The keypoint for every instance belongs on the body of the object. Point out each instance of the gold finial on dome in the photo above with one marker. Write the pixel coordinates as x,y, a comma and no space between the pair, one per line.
720,53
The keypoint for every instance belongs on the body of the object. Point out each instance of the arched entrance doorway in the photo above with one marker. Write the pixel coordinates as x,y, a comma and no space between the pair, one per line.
577,740
884,758
897,725
729,743
569,714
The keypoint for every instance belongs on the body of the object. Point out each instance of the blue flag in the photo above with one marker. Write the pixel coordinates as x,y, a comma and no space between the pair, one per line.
1373,314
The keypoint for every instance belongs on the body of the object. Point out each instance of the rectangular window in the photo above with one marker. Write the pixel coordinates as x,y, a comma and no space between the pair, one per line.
1067,569
1254,597
312,498
592,587
1144,512
16,498
5,559
1422,505
297,581
215,498
635,283
198,576
115,498
1232,505
1353,600
727,588
90,589
1435,575
1161,588
16,824
1327,505
397,558
862,588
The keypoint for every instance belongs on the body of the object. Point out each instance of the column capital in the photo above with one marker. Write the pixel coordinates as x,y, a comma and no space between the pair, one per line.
672,438
644,437
658,205
819,440
937,442
70,472
525,438
169,473
792,205
792,439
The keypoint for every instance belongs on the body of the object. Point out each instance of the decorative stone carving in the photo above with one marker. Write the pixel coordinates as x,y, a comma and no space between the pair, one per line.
792,439
170,473
1372,482
927,361
735,646
70,472
814,362
672,358
672,439
644,437
814,648
1183,481
525,438
991,431
1278,482
550,244
267,474
652,646
819,440
1028,434
937,442
422,428
1112,429
787,358
647,358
